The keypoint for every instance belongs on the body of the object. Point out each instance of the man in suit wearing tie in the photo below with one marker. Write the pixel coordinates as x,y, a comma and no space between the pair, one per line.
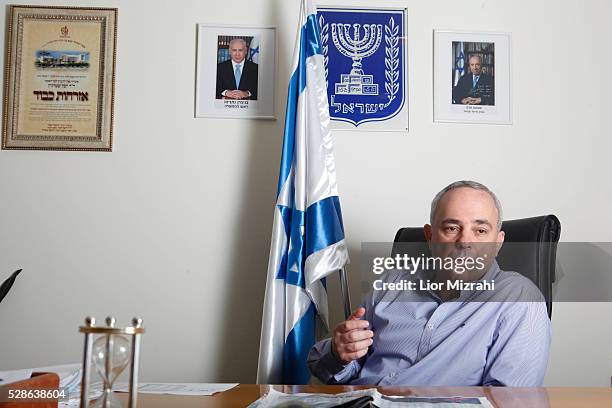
237,77
476,88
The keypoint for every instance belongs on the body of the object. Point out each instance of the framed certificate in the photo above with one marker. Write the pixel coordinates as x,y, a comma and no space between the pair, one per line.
60,73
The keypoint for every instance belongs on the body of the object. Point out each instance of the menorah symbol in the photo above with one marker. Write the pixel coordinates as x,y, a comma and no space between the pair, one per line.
356,48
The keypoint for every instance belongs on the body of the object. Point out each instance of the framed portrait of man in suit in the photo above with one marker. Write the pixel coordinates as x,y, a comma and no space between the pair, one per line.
472,77
235,72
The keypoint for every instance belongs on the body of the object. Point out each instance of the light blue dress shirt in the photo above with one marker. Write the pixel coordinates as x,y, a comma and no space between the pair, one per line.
499,337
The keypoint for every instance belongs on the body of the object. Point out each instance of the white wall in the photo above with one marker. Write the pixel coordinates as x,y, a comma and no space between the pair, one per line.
174,225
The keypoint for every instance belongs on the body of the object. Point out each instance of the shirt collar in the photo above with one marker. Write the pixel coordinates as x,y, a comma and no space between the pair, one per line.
492,273
241,64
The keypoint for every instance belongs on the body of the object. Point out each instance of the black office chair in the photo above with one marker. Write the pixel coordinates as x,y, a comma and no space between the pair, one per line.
536,260
6,285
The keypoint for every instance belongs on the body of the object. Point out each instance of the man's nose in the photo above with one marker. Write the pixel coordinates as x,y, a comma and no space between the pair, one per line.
464,238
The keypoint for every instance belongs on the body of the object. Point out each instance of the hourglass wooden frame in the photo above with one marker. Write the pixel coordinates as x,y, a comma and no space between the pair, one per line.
90,329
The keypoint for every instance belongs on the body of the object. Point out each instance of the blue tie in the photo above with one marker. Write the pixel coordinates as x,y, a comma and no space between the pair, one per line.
475,81
237,74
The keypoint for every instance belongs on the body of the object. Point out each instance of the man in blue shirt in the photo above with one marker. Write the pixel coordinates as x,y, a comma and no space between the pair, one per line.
448,336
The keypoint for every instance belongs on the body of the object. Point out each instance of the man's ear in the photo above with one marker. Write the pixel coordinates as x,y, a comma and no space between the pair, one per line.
428,232
501,235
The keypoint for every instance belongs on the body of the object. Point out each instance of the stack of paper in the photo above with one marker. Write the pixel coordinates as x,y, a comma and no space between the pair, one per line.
69,374
278,399
7,377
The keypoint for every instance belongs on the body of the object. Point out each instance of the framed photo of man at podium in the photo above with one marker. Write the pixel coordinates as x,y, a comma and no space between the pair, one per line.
472,77
236,67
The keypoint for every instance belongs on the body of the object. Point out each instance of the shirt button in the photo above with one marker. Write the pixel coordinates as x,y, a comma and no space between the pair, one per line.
393,375
430,326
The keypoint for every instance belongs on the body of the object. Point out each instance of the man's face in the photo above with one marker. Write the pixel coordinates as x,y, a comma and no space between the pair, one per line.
465,225
475,65
237,51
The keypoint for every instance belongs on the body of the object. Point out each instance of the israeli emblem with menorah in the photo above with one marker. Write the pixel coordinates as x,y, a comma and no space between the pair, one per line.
365,67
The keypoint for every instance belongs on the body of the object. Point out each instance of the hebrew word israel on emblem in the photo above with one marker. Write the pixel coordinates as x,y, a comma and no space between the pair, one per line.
365,65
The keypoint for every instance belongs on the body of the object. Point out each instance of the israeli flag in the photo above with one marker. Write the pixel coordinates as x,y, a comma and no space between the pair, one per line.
254,50
308,235
459,62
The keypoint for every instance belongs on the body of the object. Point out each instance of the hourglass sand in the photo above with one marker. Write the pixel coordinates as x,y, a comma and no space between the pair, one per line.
110,353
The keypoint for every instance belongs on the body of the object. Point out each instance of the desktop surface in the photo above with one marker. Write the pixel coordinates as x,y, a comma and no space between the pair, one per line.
501,397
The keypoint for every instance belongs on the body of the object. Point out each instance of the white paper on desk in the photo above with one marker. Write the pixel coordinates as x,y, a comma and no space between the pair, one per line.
70,380
95,391
278,399
7,377
177,388
69,374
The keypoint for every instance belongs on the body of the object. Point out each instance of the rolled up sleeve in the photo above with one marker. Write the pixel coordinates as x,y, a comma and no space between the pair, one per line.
323,365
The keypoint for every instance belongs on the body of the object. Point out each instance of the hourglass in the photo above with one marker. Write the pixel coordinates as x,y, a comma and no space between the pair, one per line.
110,354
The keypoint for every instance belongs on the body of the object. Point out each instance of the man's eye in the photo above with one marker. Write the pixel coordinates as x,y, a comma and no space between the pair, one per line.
482,231
450,229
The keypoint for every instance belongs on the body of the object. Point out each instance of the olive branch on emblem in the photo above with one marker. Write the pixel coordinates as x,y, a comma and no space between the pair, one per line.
324,34
391,60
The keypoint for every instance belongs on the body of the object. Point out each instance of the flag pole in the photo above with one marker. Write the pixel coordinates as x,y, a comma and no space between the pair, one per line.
344,289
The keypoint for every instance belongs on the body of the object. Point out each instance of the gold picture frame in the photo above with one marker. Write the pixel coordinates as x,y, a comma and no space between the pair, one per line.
59,78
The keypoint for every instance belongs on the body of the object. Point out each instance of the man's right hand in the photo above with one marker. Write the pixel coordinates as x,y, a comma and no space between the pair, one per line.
351,339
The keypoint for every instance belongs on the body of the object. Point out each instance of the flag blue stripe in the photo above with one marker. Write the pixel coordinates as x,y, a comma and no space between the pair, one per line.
310,31
309,46
298,343
289,142
324,225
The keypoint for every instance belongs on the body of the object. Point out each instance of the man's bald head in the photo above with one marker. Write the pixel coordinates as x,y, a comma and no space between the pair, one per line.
472,185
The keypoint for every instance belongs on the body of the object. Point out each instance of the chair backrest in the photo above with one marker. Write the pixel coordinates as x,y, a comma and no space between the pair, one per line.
534,258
